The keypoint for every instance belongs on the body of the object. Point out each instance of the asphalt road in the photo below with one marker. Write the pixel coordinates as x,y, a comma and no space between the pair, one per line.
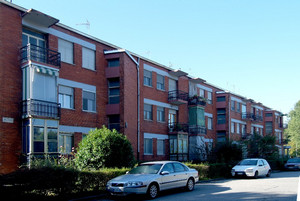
282,186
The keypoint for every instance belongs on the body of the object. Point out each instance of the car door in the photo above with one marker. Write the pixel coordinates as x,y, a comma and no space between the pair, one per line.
168,180
261,168
180,174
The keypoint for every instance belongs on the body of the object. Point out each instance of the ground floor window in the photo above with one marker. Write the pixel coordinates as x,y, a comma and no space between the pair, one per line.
66,142
160,147
148,146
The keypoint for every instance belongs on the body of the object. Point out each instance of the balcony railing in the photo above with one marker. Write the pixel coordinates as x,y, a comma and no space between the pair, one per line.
39,54
39,108
178,127
178,97
194,130
197,101
252,117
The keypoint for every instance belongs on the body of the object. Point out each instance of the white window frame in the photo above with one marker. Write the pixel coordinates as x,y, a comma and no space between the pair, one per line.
147,79
64,93
148,115
146,148
160,84
88,110
160,111
66,50
232,127
62,142
209,123
160,147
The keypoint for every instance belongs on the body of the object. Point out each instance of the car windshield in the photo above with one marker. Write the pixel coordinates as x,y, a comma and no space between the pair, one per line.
294,160
248,162
146,169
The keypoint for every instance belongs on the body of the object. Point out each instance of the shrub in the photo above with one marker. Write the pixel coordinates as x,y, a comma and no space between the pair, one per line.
104,148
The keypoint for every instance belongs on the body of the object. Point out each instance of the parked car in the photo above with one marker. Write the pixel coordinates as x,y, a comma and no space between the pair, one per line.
292,164
253,167
152,177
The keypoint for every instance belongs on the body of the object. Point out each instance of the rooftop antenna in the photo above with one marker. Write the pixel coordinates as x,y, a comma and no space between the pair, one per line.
87,24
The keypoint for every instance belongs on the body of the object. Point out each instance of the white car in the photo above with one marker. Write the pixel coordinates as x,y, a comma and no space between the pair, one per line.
151,177
253,167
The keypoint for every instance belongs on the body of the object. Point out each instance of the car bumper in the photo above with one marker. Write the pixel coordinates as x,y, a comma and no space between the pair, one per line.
123,191
242,173
294,167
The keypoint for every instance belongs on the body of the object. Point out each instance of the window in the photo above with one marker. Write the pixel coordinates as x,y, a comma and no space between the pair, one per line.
221,116
44,87
160,147
148,112
160,114
66,142
209,123
221,136
168,167
232,127
160,82
237,128
244,129
45,135
114,122
221,98
202,92
88,58
269,127
238,107
66,50
178,167
233,105
268,114
148,146
148,78
209,97
89,101
113,91
113,62
66,97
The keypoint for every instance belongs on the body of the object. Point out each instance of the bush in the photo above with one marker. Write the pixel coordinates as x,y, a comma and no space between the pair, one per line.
104,148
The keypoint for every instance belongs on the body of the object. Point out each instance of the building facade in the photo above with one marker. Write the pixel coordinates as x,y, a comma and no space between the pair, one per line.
57,84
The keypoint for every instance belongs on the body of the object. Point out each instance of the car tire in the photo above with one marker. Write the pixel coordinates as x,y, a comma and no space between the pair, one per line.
190,185
255,175
153,190
269,173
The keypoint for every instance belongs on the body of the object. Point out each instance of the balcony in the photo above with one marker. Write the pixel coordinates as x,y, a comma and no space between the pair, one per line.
39,108
196,130
178,97
39,54
252,117
197,101
178,127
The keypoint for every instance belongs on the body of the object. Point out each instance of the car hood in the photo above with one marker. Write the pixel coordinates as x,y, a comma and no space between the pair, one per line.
242,167
292,164
133,177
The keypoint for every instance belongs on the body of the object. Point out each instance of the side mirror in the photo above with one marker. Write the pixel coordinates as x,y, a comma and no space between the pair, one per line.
164,173
260,165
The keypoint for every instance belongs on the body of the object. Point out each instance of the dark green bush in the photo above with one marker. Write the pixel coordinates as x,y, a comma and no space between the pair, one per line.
104,148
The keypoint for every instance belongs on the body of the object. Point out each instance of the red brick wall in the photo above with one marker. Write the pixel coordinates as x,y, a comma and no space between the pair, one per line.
11,88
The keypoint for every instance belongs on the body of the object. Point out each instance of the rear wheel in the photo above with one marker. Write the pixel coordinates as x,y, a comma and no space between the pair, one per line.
190,185
269,173
152,191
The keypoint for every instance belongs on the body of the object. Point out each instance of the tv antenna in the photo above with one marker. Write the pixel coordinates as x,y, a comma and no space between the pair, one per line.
87,24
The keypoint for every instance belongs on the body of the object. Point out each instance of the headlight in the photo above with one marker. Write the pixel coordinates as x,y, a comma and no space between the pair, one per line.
133,184
233,170
249,170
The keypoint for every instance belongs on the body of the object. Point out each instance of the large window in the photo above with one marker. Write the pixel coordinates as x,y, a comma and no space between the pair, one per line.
88,101
45,136
66,50
113,91
160,114
114,122
160,82
221,98
221,116
148,146
160,147
66,142
269,127
209,97
44,87
66,97
113,62
148,112
88,58
148,78
209,123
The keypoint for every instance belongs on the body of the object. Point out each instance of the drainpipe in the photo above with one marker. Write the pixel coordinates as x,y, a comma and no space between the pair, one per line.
229,118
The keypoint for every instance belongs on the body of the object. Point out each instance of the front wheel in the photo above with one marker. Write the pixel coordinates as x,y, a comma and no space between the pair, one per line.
190,184
255,175
152,191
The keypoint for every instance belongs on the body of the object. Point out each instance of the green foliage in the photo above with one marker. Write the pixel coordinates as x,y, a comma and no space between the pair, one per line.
227,152
104,148
262,147
293,130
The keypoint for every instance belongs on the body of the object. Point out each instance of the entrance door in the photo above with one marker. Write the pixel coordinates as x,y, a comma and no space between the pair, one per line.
172,85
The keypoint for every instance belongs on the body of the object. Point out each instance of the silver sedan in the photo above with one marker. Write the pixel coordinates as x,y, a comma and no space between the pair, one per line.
151,177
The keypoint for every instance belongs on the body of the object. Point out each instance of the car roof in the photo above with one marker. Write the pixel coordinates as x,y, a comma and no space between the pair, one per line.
253,159
159,162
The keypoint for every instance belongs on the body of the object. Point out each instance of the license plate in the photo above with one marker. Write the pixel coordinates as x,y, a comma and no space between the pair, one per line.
239,173
116,190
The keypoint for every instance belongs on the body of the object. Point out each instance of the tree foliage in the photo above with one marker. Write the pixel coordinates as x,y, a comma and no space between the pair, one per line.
227,152
104,148
293,130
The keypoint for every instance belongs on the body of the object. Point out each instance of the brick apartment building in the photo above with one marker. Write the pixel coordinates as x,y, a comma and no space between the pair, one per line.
57,84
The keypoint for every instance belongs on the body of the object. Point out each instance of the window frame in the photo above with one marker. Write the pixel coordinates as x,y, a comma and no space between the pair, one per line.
147,79
66,94
160,114
161,147
88,62
63,49
94,106
113,87
160,82
148,114
146,148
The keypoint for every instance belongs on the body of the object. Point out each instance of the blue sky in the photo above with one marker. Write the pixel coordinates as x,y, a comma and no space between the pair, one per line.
250,47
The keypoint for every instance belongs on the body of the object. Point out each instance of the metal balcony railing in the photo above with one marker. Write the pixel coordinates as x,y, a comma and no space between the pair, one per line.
177,96
197,101
251,116
40,54
178,127
39,108
194,130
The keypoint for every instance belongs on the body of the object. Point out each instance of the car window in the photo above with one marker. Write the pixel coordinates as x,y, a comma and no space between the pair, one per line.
260,162
146,169
178,167
248,162
294,160
168,167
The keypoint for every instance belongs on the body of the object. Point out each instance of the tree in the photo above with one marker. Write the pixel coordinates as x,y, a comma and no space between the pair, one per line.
104,148
227,152
293,130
